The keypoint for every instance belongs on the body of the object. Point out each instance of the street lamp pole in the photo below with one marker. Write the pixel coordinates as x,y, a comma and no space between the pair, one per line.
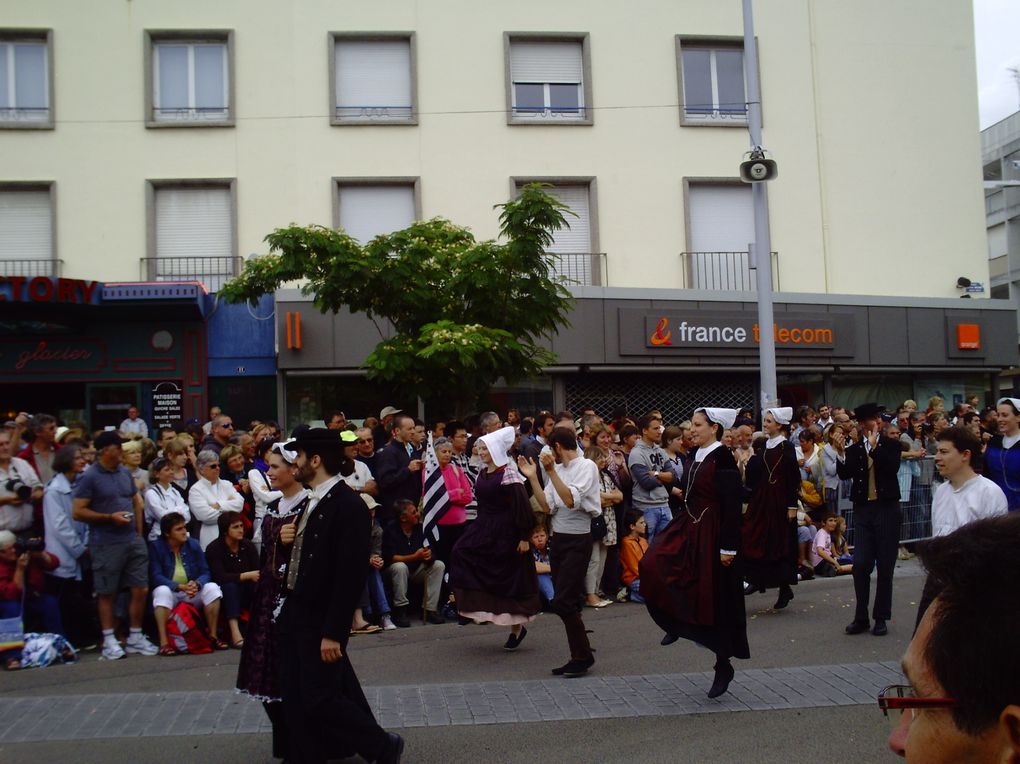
761,251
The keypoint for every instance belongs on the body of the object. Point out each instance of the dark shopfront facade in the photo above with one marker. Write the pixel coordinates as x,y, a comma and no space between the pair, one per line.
638,349
85,351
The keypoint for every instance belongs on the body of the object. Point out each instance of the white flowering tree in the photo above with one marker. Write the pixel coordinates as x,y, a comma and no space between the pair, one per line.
465,312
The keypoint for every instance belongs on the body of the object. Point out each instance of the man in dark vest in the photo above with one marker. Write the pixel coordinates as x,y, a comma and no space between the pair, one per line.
872,463
326,711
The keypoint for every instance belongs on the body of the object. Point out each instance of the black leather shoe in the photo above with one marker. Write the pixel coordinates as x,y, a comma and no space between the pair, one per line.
668,639
785,595
879,629
558,671
431,616
575,669
750,589
514,640
393,751
399,617
857,627
721,683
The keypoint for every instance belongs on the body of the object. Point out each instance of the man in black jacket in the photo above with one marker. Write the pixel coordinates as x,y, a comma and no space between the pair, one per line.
872,463
326,712
398,469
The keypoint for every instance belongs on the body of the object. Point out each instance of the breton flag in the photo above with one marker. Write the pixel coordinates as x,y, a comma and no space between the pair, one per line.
435,501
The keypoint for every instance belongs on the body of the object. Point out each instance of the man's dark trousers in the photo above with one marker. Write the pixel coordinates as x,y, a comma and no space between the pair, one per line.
876,539
568,558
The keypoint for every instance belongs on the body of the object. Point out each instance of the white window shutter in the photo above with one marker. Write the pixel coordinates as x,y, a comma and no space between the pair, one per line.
546,62
193,222
722,221
576,238
368,211
26,225
373,73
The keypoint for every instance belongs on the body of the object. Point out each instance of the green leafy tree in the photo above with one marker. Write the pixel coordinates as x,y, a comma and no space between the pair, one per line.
465,313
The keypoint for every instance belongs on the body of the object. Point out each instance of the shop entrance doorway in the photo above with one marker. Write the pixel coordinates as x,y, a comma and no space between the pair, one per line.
107,404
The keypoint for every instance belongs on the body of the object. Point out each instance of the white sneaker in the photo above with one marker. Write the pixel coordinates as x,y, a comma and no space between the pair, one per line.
623,595
140,644
387,623
112,650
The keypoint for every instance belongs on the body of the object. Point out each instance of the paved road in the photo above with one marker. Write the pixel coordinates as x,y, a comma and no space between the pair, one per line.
456,696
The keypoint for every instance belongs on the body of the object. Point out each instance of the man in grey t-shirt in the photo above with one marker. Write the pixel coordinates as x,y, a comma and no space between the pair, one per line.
105,497
571,496
647,463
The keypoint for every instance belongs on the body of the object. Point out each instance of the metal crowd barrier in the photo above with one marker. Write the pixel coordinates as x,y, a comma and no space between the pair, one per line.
915,502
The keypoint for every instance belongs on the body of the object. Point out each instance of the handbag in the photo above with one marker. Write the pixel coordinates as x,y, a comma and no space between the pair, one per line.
12,630
599,529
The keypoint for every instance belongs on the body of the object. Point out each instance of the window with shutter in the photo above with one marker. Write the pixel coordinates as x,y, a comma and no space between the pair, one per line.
366,210
194,235
575,258
373,80
547,81
721,227
24,81
26,232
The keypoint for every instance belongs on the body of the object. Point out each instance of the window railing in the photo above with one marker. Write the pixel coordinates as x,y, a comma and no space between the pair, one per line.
190,114
31,268
581,268
695,113
213,272
550,112
723,271
375,113
24,113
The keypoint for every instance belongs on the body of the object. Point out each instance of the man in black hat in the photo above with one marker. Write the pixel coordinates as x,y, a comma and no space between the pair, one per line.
326,711
872,463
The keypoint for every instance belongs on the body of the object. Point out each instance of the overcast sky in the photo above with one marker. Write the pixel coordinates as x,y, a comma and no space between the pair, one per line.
997,33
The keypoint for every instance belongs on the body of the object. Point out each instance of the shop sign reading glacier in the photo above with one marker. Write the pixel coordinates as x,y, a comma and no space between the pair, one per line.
727,330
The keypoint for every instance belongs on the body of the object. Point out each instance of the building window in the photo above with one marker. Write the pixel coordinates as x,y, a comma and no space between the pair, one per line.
193,233
373,80
190,83
576,258
549,80
720,226
26,231
711,74
369,207
25,74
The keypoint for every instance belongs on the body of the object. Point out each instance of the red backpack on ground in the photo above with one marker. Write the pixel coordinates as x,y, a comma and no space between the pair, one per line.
186,630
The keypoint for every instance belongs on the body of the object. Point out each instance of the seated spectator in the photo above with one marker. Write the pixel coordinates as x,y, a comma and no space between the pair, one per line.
180,573
839,545
234,564
355,472
540,551
961,699
67,540
234,469
633,549
805,537
162,497
374,589
23,581
824,557
210,496
134,424
409,560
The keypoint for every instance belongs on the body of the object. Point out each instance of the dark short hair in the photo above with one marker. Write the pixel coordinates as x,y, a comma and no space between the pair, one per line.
226,519
565,415
402,505
63,459
972,646
627,430
329,416
541,418
169,521
803,411
332,459
805,435
669,434
646,421
963,440
566,439
397,419
453,426
632,516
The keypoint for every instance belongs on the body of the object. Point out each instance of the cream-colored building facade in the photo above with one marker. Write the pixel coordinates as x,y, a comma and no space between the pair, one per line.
869,107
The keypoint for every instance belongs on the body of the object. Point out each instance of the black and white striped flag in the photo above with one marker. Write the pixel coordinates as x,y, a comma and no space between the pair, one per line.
435,501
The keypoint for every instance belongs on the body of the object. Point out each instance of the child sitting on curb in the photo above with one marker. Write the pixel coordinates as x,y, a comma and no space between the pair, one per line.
632,550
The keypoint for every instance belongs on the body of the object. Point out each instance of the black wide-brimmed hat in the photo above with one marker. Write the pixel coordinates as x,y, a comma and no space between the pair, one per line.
868,411
316,439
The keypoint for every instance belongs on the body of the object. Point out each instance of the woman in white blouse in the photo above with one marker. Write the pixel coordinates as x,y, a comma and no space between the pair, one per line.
210,496
261,489
162,497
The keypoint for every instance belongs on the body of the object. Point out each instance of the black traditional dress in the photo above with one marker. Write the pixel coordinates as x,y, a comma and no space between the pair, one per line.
769,537
688,591
257,674
490,579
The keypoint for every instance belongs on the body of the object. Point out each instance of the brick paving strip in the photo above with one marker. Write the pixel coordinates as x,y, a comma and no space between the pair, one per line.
222,712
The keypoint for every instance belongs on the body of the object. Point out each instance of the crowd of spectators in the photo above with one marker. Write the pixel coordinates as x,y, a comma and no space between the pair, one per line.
136,520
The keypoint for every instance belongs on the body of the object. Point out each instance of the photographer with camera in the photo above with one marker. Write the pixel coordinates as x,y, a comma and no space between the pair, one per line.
23,563
19,487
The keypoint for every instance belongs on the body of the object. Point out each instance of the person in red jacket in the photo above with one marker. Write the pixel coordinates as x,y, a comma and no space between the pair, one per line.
19,569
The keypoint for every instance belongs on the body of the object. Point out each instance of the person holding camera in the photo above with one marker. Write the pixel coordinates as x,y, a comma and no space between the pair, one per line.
106,498
23,564
19,487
